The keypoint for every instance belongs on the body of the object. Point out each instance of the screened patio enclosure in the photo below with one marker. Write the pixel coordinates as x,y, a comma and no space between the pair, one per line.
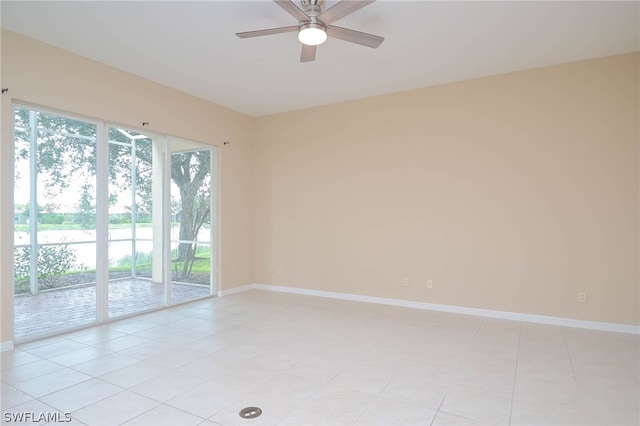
109,221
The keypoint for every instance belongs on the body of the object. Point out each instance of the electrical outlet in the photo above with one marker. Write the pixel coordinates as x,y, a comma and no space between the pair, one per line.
405,282
582,297
429,283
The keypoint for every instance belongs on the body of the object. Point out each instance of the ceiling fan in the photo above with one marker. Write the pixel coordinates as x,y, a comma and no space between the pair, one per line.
314,25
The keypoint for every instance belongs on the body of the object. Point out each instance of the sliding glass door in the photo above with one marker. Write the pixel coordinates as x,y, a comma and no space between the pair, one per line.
54,222
193,271
132,284
109,222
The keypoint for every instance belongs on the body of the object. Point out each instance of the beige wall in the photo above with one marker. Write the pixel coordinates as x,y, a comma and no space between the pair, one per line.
42,75
511,193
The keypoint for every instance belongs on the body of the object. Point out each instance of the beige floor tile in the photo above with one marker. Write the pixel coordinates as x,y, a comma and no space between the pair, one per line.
446,419
175,358
544,359
313,372
16,358
207,366
130,326
342,404
183,338
56,348
363,380
540,415
167,385
162,317
51,382
206,399
164,415
104,364
425,371
42,342
133,374
274,360
490,360
427,394
286,390
12,397
307,417
562,376
557,395
244,375
80,395
238,352
120,343
477,406
189,323
608,412
95,335
208,345
116,409
386,412
72,358
144,351
156,332
29,371
493,381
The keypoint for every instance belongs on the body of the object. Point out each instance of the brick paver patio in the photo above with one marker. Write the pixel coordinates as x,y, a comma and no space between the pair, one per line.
57,310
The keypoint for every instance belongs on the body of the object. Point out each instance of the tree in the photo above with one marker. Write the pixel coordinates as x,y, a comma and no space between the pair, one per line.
190,171
86,207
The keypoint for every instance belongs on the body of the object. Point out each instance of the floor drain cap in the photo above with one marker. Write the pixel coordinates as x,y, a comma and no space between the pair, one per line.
250,412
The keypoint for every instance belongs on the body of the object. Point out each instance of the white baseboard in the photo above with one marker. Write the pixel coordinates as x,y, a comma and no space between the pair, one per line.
6,346
236,290
514,316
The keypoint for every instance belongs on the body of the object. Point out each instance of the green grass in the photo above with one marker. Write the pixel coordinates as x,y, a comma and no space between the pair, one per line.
201,265
139,267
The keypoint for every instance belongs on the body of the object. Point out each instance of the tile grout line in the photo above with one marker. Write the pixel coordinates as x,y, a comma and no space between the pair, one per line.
573,373
515,375
438,410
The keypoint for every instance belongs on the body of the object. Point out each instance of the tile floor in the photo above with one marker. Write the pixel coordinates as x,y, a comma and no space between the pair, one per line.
314,361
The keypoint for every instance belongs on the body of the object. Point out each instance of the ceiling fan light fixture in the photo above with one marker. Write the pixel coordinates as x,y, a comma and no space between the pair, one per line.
312,34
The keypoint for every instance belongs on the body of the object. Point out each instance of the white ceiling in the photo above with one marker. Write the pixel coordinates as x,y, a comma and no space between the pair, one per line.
192,47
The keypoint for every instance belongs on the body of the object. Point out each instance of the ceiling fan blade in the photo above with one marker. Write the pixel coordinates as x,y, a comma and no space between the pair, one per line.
308,53
353,36
342,9
293,10
258,33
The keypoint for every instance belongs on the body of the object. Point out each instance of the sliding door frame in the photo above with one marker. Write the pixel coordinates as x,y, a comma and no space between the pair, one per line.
214,193
163,142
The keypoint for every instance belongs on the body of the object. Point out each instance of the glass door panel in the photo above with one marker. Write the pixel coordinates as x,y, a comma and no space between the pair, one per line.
133,287
54,223
192,257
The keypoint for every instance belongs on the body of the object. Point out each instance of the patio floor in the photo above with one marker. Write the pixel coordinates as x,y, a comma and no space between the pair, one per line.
57,310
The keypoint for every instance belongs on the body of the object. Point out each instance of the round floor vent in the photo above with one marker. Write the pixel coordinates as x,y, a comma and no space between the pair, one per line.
250,412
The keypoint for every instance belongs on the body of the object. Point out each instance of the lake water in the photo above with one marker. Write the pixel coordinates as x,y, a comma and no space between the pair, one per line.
86,250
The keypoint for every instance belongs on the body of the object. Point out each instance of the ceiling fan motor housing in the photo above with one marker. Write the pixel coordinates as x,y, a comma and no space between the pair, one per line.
312,8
